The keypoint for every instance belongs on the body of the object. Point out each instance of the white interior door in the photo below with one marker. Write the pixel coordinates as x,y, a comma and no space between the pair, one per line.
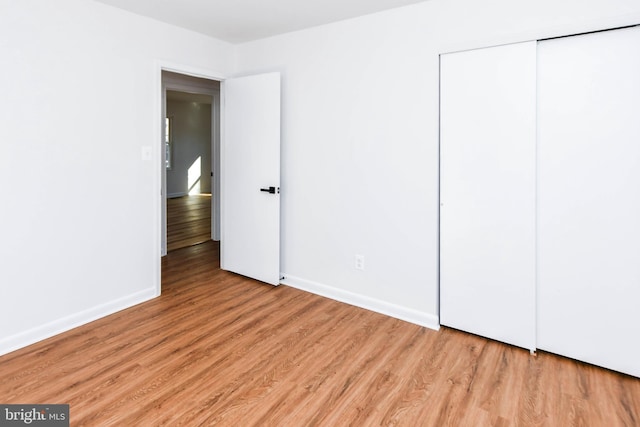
487,185
250,163
589,198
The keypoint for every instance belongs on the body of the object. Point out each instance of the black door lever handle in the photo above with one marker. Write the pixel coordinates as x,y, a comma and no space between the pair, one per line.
270,190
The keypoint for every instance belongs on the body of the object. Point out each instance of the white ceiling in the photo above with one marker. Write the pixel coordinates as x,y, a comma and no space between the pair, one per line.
238,21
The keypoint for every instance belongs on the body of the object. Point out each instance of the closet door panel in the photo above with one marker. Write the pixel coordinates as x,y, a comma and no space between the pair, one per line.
487,184
589,198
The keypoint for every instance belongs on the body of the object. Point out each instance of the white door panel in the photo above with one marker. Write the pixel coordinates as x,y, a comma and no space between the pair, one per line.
487,213
250,161
589,198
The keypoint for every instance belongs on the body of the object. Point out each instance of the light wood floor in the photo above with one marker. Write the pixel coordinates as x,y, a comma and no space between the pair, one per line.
188,221
220,349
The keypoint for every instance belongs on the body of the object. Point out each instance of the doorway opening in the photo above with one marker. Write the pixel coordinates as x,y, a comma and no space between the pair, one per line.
190,173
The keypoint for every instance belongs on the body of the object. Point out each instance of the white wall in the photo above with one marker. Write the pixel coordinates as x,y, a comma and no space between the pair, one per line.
80,98
191,141
80,233
360,138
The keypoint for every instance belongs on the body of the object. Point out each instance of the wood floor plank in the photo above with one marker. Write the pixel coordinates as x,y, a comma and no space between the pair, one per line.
188,220
217,348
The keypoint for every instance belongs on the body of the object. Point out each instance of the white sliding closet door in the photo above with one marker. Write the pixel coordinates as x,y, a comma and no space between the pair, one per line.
589,198
487,213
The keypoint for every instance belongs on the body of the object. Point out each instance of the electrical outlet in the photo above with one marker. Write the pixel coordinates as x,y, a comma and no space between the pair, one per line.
359,262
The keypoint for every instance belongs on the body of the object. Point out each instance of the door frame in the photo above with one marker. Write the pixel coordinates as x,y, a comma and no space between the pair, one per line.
160,172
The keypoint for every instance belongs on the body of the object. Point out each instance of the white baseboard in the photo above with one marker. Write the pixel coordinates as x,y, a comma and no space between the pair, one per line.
403,313
66,323
176,195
